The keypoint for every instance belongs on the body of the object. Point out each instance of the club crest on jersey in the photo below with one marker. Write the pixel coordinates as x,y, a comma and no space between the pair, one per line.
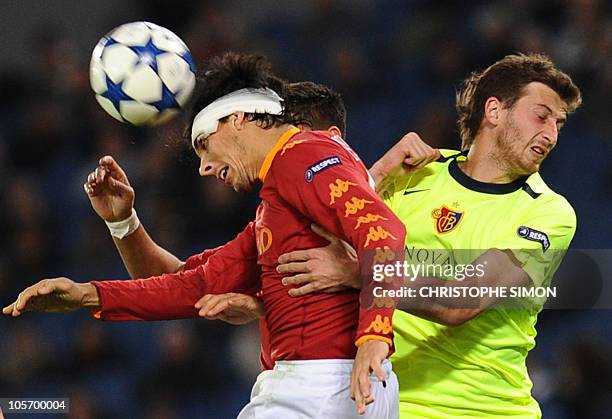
446,219
320,166
534,235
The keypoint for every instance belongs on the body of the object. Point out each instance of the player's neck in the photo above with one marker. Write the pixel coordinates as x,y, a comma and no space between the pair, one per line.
484,165
265,142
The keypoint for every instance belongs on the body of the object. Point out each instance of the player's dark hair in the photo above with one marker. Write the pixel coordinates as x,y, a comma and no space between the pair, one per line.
230,72
314,105
506,80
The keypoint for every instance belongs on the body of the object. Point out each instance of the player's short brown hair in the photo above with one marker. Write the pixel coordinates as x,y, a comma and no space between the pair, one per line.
314,105
506,80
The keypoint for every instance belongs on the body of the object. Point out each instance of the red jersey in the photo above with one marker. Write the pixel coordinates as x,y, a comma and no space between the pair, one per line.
307,177
194,261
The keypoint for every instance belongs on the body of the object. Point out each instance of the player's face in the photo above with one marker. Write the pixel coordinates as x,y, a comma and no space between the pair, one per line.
223,154
529,129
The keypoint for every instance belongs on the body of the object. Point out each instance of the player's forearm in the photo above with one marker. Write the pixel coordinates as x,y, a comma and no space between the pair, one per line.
173,295
143,257
419,300
164,297
455,302
378,173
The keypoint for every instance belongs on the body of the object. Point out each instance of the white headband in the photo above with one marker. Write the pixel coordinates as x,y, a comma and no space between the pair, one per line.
249,100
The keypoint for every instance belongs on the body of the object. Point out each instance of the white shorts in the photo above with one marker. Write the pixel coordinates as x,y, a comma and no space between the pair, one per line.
318,389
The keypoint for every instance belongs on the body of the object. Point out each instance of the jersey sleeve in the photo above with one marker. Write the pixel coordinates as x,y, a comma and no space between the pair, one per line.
329,186
201,258
196,260
542,236
231,268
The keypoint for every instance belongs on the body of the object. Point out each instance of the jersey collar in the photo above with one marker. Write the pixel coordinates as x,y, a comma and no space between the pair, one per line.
478,186
265,167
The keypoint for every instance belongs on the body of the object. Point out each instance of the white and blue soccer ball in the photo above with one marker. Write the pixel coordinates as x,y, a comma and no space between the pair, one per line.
142,74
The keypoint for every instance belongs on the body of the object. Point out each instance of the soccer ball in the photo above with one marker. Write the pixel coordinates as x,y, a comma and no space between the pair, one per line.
142,74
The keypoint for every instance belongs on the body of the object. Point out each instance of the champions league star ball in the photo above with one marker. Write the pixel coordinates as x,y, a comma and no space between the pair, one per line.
142,74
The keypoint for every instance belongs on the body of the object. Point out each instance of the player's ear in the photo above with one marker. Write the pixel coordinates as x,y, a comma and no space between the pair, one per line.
492,110
238,120
335,130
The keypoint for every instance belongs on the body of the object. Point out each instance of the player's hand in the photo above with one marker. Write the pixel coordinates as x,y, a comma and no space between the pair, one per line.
57,295
331,268
231,308
369,358
409,154
109,191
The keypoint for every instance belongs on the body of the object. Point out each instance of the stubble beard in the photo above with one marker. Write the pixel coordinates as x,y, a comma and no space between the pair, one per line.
505,156
245,182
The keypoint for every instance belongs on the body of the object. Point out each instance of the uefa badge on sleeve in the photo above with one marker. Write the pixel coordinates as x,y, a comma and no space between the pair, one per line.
534,235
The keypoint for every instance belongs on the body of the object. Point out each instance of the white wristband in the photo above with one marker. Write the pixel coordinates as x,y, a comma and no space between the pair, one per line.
124,228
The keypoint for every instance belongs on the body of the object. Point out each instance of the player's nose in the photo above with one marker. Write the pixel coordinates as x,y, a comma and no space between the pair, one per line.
550,136
207,168
551,133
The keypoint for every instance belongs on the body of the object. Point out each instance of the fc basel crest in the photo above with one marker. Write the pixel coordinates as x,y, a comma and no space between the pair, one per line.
446,219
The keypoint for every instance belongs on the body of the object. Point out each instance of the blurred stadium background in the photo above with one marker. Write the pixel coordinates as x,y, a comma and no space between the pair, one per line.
397,64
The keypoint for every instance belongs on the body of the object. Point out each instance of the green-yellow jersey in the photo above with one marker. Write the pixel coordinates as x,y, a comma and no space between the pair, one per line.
476,369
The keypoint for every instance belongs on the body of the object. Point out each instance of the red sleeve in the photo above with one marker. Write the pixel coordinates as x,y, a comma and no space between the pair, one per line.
201,258
324,181
231,268
194,261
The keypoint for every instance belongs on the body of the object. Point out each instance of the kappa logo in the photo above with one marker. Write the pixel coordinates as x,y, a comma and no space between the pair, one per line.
369,218
384,254
337,189
376,234
446,219
354,205
534,235
290,145
320,166
380,325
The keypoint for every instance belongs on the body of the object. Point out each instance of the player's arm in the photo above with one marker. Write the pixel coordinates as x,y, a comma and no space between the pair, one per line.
333,267
112,197
499,269
409,154
165,297
232,268
518,262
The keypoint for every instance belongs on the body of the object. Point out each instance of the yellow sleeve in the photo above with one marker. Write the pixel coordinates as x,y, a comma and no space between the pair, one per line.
542,237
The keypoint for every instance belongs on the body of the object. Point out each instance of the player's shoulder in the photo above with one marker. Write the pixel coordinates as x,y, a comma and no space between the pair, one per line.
313,141
545,200
312,147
